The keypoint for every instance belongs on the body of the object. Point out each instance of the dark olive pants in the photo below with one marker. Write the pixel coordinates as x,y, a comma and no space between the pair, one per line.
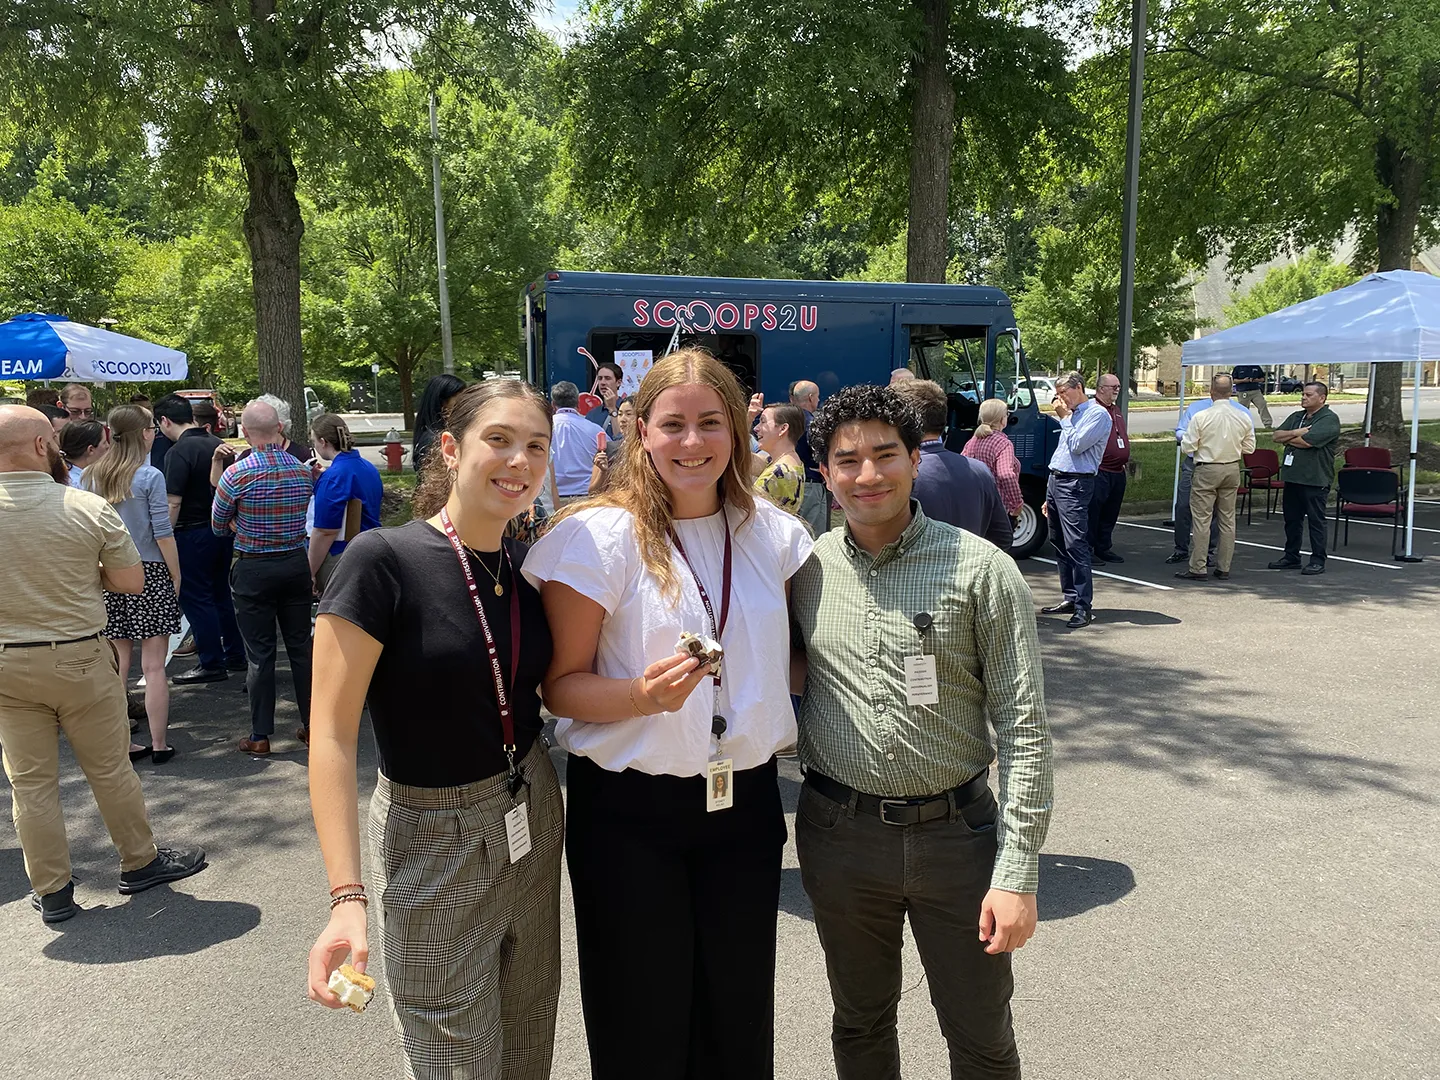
863,877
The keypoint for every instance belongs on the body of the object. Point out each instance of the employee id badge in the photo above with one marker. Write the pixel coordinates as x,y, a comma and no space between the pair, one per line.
1119,443
922,684
517,831
719,785
1290,457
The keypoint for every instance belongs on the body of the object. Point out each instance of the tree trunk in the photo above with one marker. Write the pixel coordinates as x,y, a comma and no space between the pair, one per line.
273,228
405,368
1396,227
932,138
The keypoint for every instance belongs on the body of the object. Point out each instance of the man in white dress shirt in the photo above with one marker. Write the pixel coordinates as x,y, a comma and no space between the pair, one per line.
573,446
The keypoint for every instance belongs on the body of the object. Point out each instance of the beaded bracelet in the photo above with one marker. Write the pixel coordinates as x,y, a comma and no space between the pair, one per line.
344,898
350,885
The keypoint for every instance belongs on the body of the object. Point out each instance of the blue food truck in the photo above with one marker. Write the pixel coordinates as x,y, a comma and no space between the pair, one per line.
773,333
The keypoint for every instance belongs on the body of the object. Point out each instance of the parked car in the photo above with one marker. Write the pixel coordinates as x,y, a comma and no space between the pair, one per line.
313,405
229,422
1287,385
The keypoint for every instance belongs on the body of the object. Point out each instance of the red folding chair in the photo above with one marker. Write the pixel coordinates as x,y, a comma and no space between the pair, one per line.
1264,469
1369,493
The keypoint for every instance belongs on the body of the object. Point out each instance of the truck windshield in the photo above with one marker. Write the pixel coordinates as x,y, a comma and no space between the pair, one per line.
954,356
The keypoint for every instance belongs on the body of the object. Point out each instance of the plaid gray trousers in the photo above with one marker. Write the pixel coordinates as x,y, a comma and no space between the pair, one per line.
471,943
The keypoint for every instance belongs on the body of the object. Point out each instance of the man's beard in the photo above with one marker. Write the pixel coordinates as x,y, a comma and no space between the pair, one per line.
59,471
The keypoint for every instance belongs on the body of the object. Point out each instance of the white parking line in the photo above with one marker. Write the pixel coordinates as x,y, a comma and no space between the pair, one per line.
1382,525
1268,547
1117,577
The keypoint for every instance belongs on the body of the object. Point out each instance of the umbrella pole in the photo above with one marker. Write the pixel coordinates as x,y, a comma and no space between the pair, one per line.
1369,404
1410,555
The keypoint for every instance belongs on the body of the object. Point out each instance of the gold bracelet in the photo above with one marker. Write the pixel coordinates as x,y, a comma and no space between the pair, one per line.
633,703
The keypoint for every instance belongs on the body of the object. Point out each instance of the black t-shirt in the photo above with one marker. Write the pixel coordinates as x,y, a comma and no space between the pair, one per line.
159,450
432,697
187,474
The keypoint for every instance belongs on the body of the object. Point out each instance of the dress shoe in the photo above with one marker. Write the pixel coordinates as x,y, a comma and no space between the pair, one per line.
1177,557
199,675
1065,607
143,752
1313,568
1222,575
187,646
255,746
160,757
1284,564
236,664
1080,619
1190,575
1109,556
169,864
303,735
56,906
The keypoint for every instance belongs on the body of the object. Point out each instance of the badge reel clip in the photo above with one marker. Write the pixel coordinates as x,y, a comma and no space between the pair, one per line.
922,683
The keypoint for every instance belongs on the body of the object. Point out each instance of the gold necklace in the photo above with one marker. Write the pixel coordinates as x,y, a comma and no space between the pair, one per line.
499,589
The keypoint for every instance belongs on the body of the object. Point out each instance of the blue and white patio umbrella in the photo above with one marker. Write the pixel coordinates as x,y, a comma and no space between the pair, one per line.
34,346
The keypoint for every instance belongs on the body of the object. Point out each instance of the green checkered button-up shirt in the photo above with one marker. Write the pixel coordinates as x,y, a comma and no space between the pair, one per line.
855,614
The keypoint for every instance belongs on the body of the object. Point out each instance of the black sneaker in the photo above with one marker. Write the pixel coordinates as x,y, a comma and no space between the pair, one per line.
56,906
236,664
169,864
1284,564
1109,556
1313,568
1178,557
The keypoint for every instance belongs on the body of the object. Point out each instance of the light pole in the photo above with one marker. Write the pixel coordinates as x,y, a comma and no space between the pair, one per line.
447,347
1132,188
375,372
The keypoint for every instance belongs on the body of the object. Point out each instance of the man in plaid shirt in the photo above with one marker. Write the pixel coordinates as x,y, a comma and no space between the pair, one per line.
263,500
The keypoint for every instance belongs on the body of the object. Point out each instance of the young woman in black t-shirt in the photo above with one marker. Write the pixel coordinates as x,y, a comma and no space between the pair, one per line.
466,822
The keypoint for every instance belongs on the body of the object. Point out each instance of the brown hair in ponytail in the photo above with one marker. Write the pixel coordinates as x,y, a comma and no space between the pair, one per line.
461,412
333,430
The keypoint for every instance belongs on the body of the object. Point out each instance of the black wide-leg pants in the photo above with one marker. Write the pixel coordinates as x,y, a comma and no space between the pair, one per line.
675,913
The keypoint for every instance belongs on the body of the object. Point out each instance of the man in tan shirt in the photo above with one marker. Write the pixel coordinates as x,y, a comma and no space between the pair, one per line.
61,548
1219,438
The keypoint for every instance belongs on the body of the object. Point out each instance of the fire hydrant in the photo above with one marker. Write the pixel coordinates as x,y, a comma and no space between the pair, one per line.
394,452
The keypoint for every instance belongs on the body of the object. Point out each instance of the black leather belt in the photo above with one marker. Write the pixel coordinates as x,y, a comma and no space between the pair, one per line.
269,554
1071,475
43,644
901,811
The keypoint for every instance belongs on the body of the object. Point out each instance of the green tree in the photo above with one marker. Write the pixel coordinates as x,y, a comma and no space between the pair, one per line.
1313,274
1286,126
56,258
261,83
727,122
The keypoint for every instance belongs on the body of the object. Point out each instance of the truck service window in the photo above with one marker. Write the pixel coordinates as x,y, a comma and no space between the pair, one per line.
739,352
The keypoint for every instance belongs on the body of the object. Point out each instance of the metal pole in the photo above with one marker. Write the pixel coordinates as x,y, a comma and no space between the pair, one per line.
1369,404
1132,188
1175,484
447,347
377,393
1410,555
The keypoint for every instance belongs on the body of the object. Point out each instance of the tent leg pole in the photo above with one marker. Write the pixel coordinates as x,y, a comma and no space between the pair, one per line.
1369,404
1410,555
1175,484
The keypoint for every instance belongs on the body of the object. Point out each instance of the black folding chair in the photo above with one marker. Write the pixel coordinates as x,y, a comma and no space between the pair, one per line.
1368,493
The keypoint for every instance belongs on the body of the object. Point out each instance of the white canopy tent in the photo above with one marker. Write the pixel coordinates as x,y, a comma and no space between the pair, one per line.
1387,318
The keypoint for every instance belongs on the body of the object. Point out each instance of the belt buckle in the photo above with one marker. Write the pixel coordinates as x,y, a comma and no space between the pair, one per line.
886,804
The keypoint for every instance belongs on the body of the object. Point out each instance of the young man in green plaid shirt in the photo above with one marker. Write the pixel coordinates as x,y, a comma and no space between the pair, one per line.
915,633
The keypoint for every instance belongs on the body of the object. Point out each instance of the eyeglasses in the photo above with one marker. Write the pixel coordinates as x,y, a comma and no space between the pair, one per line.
77,414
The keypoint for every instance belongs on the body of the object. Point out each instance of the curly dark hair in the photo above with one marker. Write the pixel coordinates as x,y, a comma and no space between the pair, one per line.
856,404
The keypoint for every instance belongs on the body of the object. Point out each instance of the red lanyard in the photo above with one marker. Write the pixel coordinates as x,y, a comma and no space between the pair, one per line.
717,630
507,719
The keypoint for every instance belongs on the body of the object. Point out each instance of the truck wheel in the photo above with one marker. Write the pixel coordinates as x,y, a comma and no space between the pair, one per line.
1030,531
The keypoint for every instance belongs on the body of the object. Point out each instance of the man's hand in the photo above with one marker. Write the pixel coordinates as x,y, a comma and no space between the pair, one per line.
609,397
1007,920
1061,409
224,454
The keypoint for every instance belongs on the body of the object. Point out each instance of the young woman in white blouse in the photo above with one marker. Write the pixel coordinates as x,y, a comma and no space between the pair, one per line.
675,827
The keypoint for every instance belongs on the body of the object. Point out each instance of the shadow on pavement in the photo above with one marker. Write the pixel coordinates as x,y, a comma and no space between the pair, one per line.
160,922
1071,885
793,900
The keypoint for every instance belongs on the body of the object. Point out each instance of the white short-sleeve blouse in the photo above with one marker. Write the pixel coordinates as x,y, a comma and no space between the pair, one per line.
596,553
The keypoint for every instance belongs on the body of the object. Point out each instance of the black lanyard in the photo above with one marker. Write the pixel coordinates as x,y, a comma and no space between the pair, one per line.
507,719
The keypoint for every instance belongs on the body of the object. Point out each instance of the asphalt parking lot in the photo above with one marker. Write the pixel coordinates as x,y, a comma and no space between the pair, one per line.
1240,880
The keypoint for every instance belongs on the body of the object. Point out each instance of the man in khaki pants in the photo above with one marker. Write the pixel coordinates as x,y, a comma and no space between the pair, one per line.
1219,437
60,548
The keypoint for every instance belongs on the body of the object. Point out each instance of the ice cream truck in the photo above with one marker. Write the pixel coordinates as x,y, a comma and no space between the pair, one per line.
774,333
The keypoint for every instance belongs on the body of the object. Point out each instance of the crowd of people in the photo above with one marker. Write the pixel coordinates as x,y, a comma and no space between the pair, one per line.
683,608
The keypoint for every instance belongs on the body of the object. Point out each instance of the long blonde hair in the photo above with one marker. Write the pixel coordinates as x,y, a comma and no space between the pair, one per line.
113,475
993,414
637,485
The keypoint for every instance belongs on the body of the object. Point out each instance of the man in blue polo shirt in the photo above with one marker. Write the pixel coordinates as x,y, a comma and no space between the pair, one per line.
1084,431
347,496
